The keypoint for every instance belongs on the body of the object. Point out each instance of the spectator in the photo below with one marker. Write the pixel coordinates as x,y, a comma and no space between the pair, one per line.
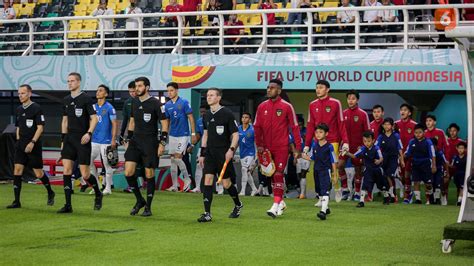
388,16
371,16
268,4
191,6
213,20
131,25
7,12
173,7
105,24
234,21
346,17
295,18
468,13
227,5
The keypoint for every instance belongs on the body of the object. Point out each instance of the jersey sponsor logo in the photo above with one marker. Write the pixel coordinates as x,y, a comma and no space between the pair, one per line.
279,112
29,122
146,117
356,118
328,109
78,112
409,130
220,130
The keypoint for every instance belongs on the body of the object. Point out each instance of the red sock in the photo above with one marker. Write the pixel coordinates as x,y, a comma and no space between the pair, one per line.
358,183
277,186
343,177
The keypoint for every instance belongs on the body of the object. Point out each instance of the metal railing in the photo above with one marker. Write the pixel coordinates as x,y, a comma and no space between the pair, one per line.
29,36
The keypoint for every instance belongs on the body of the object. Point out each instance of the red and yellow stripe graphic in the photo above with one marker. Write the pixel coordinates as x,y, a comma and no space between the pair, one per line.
191,76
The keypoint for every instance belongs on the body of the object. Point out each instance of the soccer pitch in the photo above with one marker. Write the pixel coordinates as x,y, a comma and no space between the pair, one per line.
376,234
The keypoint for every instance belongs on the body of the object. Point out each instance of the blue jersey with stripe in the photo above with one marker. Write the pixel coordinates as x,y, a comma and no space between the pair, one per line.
440,160
390,145
369,155
200,127
103,131
323,156
246,141
422,151
177,112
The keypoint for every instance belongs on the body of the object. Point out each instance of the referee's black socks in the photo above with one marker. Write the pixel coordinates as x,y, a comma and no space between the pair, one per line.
17,187
207,198
150,190
234,195
93,182
67,188
133,184
46,184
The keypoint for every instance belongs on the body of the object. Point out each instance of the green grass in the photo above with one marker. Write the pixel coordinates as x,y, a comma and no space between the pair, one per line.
377,234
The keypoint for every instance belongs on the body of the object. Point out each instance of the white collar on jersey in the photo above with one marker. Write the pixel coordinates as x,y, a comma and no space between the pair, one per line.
26,106
213,112
74,97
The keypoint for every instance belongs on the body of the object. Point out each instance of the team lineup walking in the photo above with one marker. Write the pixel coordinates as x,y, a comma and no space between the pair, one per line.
384,153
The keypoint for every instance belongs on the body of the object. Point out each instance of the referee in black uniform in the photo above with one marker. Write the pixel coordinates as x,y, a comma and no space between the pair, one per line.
219,141
28,149
78,124
144,146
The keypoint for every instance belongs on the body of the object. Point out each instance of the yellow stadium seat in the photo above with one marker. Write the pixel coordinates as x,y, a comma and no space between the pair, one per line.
84,2
73,27
254,6
112,6
288,5
331,4
17,8
240,7
45,1
80,13
80,8
255,20
121,6
164,4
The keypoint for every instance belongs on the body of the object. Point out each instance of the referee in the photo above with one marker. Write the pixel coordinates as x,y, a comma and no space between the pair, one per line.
219,141
28,149
144,145
78,124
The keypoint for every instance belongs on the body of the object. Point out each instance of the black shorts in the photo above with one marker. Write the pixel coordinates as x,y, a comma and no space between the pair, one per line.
214,161
144,150
34,159
73,149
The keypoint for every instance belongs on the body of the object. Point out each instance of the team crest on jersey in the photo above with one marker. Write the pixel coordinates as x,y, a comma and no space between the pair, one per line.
328,109
104,112
248,135
146,117
265,113
180,107
409,130
29,123
220,130
279,112
436,137
78,112
317,110
356,118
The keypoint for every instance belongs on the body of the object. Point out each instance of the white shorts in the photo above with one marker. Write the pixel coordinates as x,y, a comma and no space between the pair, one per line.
302,164
178,145
247,161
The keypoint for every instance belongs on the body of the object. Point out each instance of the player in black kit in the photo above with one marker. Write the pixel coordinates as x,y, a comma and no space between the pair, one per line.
28,149
78,124
219,141
144,146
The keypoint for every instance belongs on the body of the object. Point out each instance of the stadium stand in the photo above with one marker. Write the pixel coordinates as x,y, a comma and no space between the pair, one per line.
83,38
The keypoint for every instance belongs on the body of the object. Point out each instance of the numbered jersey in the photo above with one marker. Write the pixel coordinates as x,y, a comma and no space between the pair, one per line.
246,141
103,131
27,120
177,112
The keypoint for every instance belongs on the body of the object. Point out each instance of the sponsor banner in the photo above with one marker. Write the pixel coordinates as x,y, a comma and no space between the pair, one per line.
429,78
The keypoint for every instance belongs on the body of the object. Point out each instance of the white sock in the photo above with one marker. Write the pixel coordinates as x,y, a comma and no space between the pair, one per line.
244,179
182,168
362,195
303,186
417,195
219,188
275,206
174,172
390,191
324,203
82,181
350,180
459,199
385,194
108,181
198,177
437,193
251,181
